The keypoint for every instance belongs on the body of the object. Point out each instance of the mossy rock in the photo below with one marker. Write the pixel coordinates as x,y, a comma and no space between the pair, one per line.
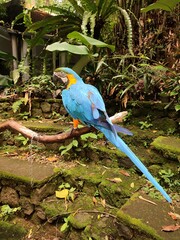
10,231
144,231
148,218
165,124
80,220
117,193
169,146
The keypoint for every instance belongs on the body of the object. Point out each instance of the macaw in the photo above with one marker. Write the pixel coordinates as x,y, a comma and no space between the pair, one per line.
85,104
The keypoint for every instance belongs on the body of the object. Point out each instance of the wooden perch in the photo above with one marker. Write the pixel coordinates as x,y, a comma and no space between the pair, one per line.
17,127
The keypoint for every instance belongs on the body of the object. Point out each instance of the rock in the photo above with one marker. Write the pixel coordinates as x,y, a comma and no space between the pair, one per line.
9,196
40,213
26,205
80,220
39,194
36,112
24,190
164,124
168,146
147,219
46,107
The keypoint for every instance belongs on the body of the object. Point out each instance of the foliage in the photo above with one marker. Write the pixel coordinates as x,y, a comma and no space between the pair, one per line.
40,85
166,178
7,212
21,139
5,81
145,124
161,4
65,225
6,56
66,149
76,146
66,191
17,104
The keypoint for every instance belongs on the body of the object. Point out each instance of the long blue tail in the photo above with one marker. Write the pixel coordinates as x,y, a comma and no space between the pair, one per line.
122,146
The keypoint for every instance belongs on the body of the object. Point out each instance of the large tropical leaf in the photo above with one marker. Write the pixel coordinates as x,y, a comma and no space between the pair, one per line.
64,46
167,5
88,41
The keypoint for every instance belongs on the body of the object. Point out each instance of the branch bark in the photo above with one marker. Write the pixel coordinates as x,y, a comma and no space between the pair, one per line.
61,137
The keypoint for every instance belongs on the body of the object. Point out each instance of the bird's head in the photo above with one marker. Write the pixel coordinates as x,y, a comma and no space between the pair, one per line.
67,76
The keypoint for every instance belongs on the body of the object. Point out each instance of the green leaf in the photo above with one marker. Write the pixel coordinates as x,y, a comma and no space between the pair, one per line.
16,105
75,143
177,107
88,135
15,75
167,5
64,46
5,81
67,185
88,41
64,227
159,68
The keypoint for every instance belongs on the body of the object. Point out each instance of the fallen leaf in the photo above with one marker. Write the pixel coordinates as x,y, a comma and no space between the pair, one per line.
103,202
170,228
154,131
52,159
174,216
62,194
132,185
124,173
94,201
114,180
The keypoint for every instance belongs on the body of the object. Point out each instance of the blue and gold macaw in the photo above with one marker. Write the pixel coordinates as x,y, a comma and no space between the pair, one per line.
85,104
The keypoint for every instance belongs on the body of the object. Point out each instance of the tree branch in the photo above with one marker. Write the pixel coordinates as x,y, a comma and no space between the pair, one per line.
26,132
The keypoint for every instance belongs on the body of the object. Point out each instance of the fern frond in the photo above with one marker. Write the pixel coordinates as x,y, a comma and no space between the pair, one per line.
129,29
92,23
85,21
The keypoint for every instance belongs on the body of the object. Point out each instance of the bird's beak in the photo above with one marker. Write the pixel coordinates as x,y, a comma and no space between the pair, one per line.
60,75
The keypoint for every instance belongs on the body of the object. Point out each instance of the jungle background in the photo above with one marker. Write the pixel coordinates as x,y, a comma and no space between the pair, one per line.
73,189
144,63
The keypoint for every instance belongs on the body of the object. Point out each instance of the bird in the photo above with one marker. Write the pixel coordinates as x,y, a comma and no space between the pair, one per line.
85,104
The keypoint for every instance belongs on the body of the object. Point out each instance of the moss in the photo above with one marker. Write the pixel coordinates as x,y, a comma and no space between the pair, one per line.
111,151
80,220
117,194
54,208
137,224
17,179
91,174
169,146
45,127
10,231
165,124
